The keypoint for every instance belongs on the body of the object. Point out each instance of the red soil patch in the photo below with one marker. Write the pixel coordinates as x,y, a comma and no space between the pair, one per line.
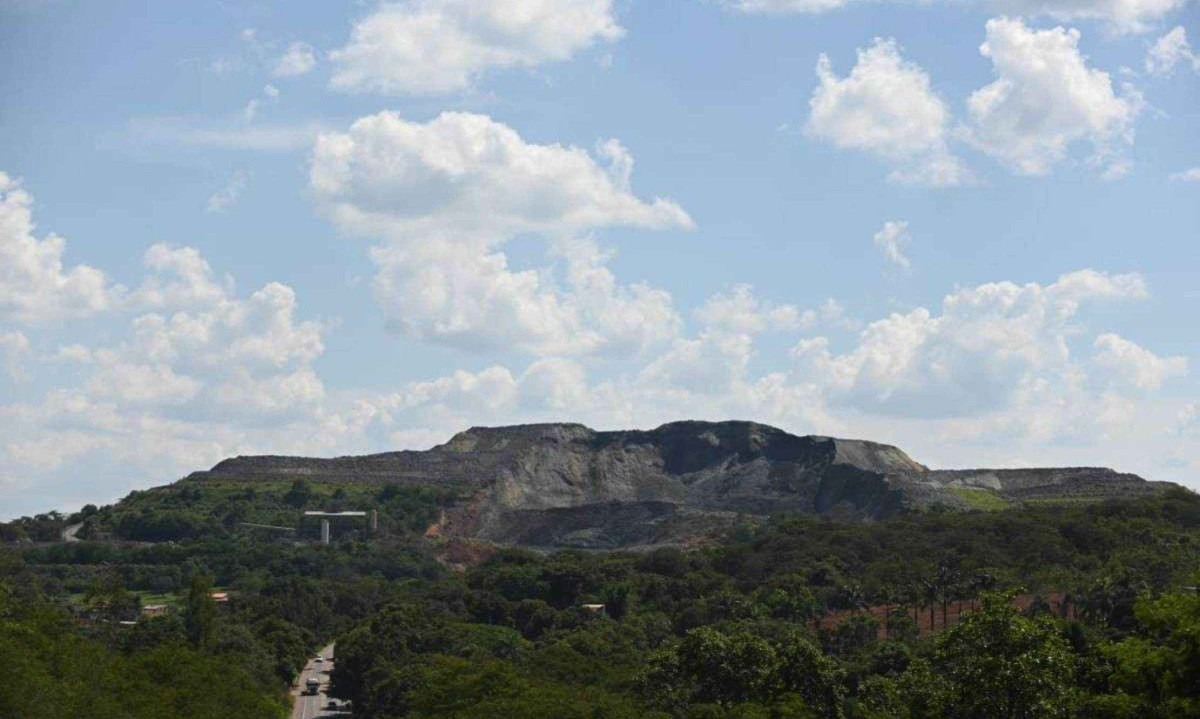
1060,605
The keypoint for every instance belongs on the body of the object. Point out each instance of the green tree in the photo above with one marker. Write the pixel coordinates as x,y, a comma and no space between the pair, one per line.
726,668
1157,671
199,611
999,664
300,493
109,600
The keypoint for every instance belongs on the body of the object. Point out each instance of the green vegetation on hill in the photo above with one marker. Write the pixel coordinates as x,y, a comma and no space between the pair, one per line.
981,499
209,507
773,623
795,617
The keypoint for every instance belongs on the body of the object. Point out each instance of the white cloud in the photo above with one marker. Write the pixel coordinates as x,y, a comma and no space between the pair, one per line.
34,285
1188,419
1133,365
740,312
441,46
470,176
14,347
131,382
198,374
1189,175
197,349
554,383
443,197
1168,51
179,278
259,137
989,343
210,374
227,196
1120,15
891,240
830,313
298,59
270,94
886,106
1045,99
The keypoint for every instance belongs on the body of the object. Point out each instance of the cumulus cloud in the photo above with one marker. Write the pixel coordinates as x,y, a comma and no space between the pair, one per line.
740,311
1189,175
987,343
34,284
443,197
1133,365
205,349
197,374
210,373
298,59
993,364
1045,99
891,240
886,106
178,278
469,175
441,46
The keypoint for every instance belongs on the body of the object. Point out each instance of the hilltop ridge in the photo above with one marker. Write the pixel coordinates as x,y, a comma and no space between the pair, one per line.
564,484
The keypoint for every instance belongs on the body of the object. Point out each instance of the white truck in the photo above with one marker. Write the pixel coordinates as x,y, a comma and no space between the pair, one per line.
312,685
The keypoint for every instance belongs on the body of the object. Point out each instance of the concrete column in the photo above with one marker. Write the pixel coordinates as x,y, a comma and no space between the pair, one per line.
324,531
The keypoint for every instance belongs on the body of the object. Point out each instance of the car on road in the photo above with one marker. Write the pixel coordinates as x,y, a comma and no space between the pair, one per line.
319,660
312,686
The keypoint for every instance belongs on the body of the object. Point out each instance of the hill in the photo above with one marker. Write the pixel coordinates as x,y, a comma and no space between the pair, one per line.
565,485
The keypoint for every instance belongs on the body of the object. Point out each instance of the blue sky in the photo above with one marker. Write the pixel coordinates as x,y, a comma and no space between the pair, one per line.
966,228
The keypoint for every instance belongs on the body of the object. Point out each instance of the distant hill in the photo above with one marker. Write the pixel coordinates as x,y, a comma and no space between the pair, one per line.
565,485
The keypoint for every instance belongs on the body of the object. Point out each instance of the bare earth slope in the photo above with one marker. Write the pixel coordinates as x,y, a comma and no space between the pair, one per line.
567,485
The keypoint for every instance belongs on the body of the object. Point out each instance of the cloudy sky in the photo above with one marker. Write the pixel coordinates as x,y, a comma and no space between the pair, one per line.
965,227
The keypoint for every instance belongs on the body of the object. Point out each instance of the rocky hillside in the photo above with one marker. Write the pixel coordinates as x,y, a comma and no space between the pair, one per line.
567,485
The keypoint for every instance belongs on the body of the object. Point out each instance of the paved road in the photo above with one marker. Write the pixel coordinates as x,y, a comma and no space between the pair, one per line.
307,706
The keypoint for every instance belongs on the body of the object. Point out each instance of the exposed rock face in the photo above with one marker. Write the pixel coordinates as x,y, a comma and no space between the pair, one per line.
567,485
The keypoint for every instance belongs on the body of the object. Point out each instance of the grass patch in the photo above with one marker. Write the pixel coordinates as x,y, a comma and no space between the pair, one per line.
168,598
982,499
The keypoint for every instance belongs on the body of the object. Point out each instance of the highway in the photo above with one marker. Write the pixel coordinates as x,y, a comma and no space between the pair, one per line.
306,706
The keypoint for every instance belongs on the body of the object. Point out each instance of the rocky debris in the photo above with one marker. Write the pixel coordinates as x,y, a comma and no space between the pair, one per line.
560,485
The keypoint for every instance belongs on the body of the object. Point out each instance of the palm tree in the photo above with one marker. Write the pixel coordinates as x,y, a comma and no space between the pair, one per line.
946,579
912,599
929,592
888,594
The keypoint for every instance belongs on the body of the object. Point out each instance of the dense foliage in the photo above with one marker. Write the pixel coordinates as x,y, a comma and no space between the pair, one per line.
775,623
52,670
1084,610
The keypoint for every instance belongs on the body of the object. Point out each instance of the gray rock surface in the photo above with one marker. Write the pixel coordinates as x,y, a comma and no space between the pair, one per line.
568,485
